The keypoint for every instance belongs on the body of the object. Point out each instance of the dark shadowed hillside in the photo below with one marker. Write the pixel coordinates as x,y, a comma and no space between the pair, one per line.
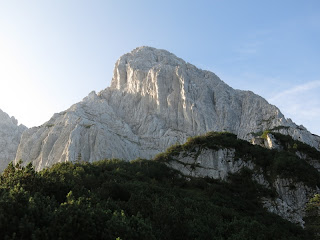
144,199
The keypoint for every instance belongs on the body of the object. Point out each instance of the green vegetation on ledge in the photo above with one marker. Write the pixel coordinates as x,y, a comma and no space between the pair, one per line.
274,163
293,146
142,199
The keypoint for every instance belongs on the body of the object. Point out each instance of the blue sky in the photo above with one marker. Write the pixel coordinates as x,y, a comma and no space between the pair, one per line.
53,53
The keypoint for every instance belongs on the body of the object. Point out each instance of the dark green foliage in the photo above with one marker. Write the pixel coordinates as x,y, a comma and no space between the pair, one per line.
274,163
138,200
279,128
293,145
312,218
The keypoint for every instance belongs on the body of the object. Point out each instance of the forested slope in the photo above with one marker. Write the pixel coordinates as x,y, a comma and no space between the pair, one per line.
142,199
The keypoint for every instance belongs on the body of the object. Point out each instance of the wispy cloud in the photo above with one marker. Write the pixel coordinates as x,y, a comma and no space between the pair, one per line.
301,103
297,89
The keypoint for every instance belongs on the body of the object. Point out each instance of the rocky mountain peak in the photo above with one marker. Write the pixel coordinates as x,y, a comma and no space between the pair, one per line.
6,119
142,63
145,58
155,100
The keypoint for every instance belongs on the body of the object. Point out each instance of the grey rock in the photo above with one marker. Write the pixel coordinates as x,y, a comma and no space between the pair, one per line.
10,134
291,199
269,142
313,162
272,143
208,163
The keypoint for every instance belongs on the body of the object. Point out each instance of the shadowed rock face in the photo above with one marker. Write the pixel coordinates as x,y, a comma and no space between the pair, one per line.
10,134
291,196
155,100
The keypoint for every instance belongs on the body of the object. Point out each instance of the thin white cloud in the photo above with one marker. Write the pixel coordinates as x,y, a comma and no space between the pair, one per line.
301,103
295,90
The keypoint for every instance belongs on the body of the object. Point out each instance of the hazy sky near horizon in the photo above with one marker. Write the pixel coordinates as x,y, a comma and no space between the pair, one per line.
54,53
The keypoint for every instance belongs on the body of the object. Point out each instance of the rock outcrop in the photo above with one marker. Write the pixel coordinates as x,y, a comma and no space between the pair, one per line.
268,141
10,134
291,195
155,100
291,200
209,163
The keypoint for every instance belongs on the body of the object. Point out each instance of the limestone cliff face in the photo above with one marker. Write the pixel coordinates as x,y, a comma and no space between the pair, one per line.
87,131
291,196
209,163
155,100
10,134
291,200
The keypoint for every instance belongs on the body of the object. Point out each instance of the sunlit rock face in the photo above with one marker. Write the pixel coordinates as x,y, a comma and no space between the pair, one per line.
269,142
10,134
155,100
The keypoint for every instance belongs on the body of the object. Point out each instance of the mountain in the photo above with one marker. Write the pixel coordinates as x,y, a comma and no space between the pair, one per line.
155,100
10,134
